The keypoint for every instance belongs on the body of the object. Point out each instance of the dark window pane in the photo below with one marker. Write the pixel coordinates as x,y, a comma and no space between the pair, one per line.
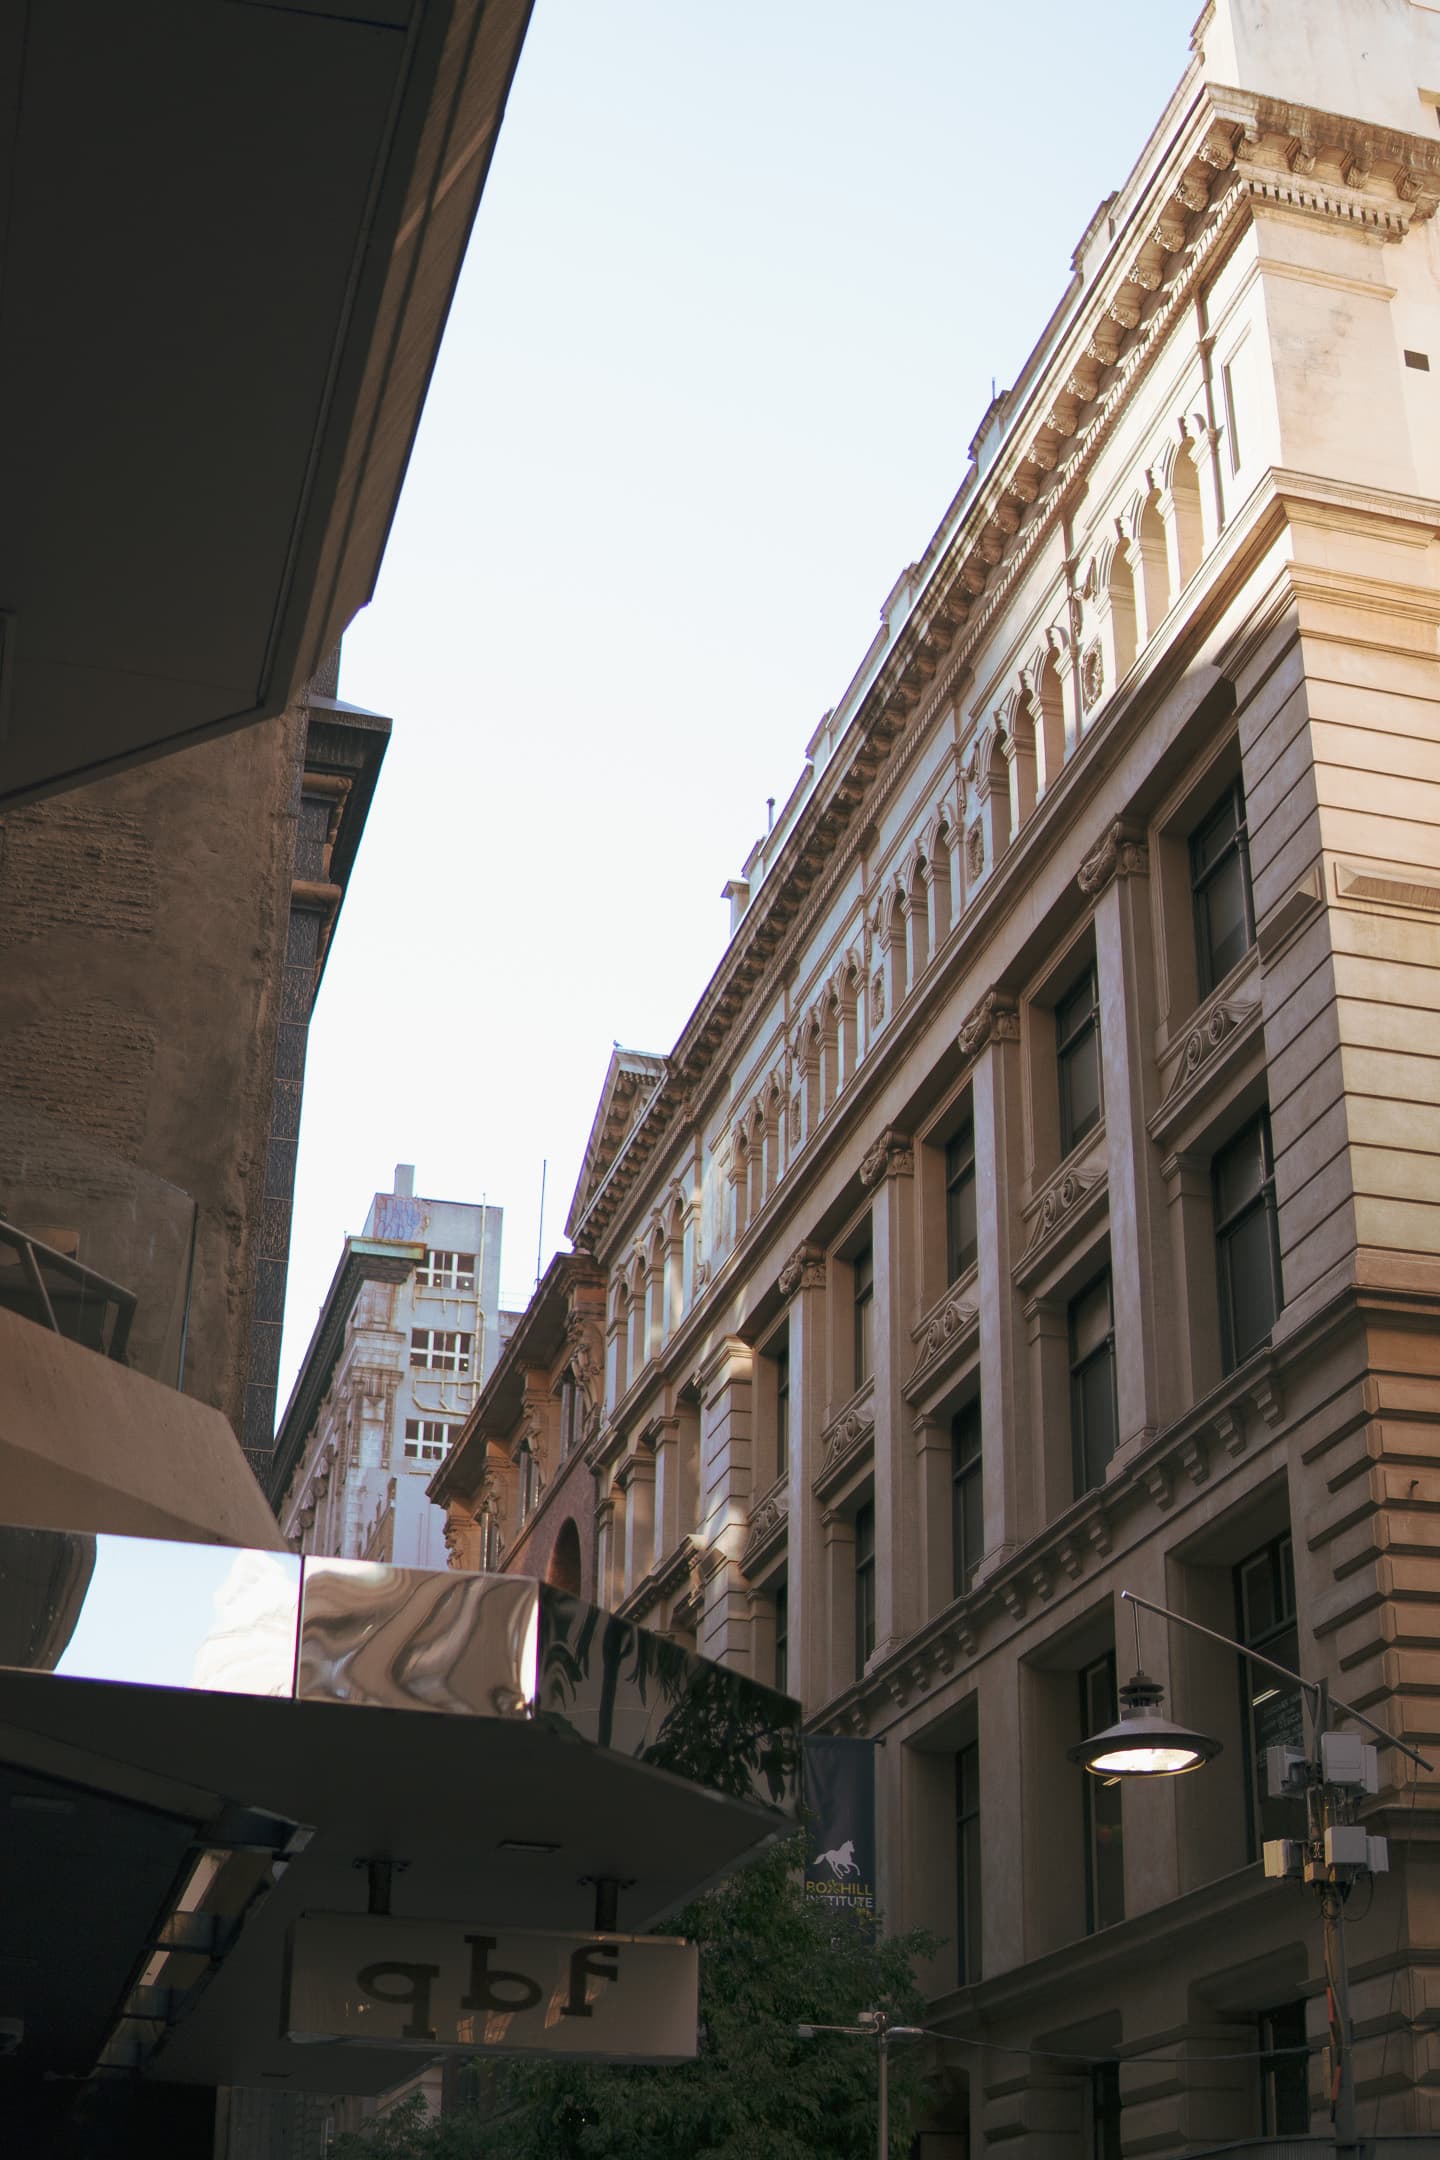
1093,1419
1284,2072
1247,1242
782,1413
960,1224
863,1268
967,1498
782,1638
967,1863
1220,880
1104,1837
1077,1049
864,1586
1272,1714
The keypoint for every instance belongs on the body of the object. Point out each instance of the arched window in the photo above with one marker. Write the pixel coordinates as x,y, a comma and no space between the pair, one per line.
562,1570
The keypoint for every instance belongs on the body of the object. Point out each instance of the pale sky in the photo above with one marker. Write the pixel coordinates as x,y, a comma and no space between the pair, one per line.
741,279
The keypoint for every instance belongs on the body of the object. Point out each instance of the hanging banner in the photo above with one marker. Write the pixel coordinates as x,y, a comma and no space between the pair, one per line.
840,1810
380,1982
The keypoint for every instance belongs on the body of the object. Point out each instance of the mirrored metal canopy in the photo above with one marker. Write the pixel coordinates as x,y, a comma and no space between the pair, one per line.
240,1733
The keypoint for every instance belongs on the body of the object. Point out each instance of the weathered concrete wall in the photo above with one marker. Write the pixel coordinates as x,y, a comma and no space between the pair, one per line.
142,924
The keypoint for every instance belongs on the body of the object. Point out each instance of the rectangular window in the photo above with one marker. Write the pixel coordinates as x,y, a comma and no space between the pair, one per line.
1104,1844
1284,2072
960,1228
569,1416
447,1271
1220,889
782,1638
428,1439
440,1349
1272,1714
1093,1413
967,1512
782,1412
1105,2107
1077,1053
1247,1241
863,1271
967,1863
864,1586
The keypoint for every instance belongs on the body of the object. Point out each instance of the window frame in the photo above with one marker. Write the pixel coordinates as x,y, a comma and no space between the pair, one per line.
431,1276
1277,1556
422,1446
444,1350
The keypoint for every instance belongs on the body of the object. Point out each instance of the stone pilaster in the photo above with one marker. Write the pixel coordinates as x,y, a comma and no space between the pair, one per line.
888,1171
991,1035
1115,876
802,1279
727,1488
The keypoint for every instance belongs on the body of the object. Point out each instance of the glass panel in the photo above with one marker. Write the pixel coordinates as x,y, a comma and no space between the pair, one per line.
960,1223
1239,1172
1284,2073
967,1864
967,1495
417,1638
149,1611
864,1273
621,1688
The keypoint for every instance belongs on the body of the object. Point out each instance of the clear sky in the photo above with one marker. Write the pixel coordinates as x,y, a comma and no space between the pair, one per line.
740,283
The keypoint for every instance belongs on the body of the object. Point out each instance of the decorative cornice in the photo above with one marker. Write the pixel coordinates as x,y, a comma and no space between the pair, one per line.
994,1018
1073,1199
804,1270
1120,853
1187,1069
945,1333
892,1155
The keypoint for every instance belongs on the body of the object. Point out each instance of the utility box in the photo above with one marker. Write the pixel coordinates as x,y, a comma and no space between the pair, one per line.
1283,1855
1346,1759
1346,1845
1284,1770
1379,1860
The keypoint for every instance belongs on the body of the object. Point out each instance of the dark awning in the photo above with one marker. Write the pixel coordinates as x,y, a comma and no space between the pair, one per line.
230,232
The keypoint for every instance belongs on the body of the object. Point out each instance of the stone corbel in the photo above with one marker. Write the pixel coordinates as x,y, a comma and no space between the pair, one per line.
1121,852
994,1018
892,1155
804,1270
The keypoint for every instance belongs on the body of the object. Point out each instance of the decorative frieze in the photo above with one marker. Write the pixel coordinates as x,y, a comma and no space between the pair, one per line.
946,1332
1063,1205
768,1520
846,1441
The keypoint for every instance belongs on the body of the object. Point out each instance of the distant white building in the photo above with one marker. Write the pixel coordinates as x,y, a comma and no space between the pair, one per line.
409,1331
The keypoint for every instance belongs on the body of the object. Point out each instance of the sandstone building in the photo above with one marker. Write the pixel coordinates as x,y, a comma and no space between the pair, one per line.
409,1329
1043,1198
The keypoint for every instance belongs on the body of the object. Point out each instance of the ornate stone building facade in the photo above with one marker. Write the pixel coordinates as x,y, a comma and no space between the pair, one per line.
1044,1197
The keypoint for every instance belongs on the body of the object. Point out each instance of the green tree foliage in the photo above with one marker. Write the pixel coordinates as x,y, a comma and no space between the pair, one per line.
768,1963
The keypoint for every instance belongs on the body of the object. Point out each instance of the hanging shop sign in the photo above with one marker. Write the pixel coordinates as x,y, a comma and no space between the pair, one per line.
382,1982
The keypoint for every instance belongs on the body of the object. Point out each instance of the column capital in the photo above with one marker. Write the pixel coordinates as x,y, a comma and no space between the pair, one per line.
804,1270
892,1155
994,1018
1120,853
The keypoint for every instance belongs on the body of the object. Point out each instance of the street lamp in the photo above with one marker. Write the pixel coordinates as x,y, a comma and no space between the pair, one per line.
874,2025
1330,1776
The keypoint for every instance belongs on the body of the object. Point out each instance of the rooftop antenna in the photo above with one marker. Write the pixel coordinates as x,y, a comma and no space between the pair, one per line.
540,1240
769,813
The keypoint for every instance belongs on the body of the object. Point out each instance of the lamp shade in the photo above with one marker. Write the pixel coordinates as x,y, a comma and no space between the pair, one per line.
1141,1743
